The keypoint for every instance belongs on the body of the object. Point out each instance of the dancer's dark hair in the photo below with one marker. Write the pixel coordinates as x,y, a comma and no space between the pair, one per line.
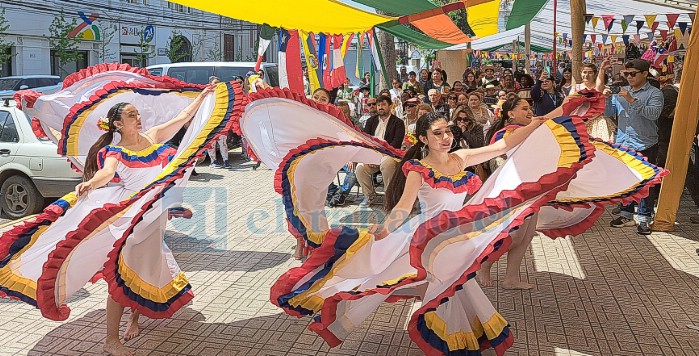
508,106
395,190
91,167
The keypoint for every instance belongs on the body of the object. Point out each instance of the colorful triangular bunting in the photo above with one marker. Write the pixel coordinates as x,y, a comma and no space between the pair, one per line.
650,19
678,33
628,19
663,34
682,26
595,19
626,39
650,35
624,26
588,18
614,37
608,21
604,38
654,26
691,17
637,38
639,25
671,20
593,38
584,38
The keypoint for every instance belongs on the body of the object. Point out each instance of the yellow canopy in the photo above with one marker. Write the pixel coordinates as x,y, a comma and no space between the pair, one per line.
318,16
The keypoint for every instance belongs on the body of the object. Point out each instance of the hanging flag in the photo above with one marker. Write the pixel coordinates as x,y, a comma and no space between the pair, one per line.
290,71
624,26
651,35
654,26
565,37
373,45
604,38
650,19
322,57
328,63
309,52
639,25
338,75
266,34
593,38
608,21
626,39
588,18
671,20
691,17
346,44
594,22
584,38
677,33
663,34
682,26
637,38
614,37
628,19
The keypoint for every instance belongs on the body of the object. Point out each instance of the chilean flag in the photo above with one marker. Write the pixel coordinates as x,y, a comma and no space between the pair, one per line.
290,70
338,75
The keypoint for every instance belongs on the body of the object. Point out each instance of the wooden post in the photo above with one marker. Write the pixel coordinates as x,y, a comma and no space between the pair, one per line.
527,47
577,19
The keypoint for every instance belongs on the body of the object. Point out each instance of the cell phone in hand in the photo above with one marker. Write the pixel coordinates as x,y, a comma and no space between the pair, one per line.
548,71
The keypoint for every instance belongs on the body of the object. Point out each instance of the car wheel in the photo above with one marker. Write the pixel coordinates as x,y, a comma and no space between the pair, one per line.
20,197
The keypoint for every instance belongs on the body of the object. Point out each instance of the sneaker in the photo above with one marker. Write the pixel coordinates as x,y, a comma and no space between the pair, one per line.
616,210
215,164
226,164
622,222
643,228
367,202
256,166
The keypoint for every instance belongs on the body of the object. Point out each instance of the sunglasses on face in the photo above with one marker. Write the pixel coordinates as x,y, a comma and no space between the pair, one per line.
371,104
631,74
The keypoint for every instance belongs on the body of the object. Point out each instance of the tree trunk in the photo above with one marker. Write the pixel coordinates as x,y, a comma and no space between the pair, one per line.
388,52
577,19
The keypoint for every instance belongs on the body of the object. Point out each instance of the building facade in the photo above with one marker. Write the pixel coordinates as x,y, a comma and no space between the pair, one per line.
137,32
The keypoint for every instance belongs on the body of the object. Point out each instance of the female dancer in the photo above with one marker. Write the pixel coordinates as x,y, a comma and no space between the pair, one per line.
105,232
592,78
515,113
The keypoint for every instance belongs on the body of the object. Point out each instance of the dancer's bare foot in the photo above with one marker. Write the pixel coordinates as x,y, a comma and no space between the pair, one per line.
114,347
483,275
132,328
517,285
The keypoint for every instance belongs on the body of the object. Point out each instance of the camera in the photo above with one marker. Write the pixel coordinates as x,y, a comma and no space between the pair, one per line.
615,88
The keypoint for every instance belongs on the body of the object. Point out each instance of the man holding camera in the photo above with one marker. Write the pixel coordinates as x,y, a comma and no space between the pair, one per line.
638,107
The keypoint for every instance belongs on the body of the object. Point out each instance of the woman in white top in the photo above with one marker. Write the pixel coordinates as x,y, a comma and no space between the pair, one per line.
592,78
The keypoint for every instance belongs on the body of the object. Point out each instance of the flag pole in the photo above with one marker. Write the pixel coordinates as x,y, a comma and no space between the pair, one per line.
554,68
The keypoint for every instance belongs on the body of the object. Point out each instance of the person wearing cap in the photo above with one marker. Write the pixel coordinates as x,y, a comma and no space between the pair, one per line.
413,83
409,120
489,78
638,107
490,98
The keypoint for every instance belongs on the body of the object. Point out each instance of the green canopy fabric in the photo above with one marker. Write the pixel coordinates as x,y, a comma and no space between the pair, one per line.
399,7
410,35
523,12
534,48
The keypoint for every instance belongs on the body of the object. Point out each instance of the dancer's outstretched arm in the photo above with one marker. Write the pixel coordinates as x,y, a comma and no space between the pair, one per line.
402,210
475,156
101,177
165,131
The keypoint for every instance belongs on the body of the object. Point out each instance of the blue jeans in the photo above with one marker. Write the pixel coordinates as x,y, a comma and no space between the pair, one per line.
350,180
646,206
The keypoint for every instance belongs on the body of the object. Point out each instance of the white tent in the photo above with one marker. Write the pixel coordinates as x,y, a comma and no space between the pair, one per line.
542,24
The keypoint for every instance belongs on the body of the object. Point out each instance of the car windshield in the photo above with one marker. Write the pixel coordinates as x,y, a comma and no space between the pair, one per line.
9,83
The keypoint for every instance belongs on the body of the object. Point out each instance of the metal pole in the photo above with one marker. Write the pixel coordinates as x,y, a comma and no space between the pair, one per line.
527,47
554,69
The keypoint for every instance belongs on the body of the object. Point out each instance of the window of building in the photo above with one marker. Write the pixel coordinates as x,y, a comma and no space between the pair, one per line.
144,2
228,48
70,67
179,8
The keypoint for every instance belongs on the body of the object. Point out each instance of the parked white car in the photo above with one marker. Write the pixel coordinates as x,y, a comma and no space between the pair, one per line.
46,84
199,72
30,169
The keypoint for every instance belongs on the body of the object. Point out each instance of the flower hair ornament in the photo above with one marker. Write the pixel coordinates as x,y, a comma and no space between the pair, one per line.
103,124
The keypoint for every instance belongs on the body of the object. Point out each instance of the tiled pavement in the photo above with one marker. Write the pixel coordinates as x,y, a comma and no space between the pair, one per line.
607,292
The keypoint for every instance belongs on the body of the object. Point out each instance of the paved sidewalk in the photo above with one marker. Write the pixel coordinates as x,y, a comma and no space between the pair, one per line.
607,292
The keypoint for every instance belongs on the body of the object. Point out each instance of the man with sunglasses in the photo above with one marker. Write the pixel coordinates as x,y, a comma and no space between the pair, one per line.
638,107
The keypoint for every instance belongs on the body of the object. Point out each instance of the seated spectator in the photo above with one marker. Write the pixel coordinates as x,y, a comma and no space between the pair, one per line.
489,77
435,99
470,82
396,91
462,99
452,100
545,96
458,87
490,98
481,114
391,129
472,134
509,85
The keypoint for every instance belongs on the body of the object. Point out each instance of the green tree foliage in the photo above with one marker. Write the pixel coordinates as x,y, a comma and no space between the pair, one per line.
145,50
5,47
175,47
66,48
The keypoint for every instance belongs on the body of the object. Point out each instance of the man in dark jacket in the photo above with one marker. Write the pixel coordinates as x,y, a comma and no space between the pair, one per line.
387,127
544,95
